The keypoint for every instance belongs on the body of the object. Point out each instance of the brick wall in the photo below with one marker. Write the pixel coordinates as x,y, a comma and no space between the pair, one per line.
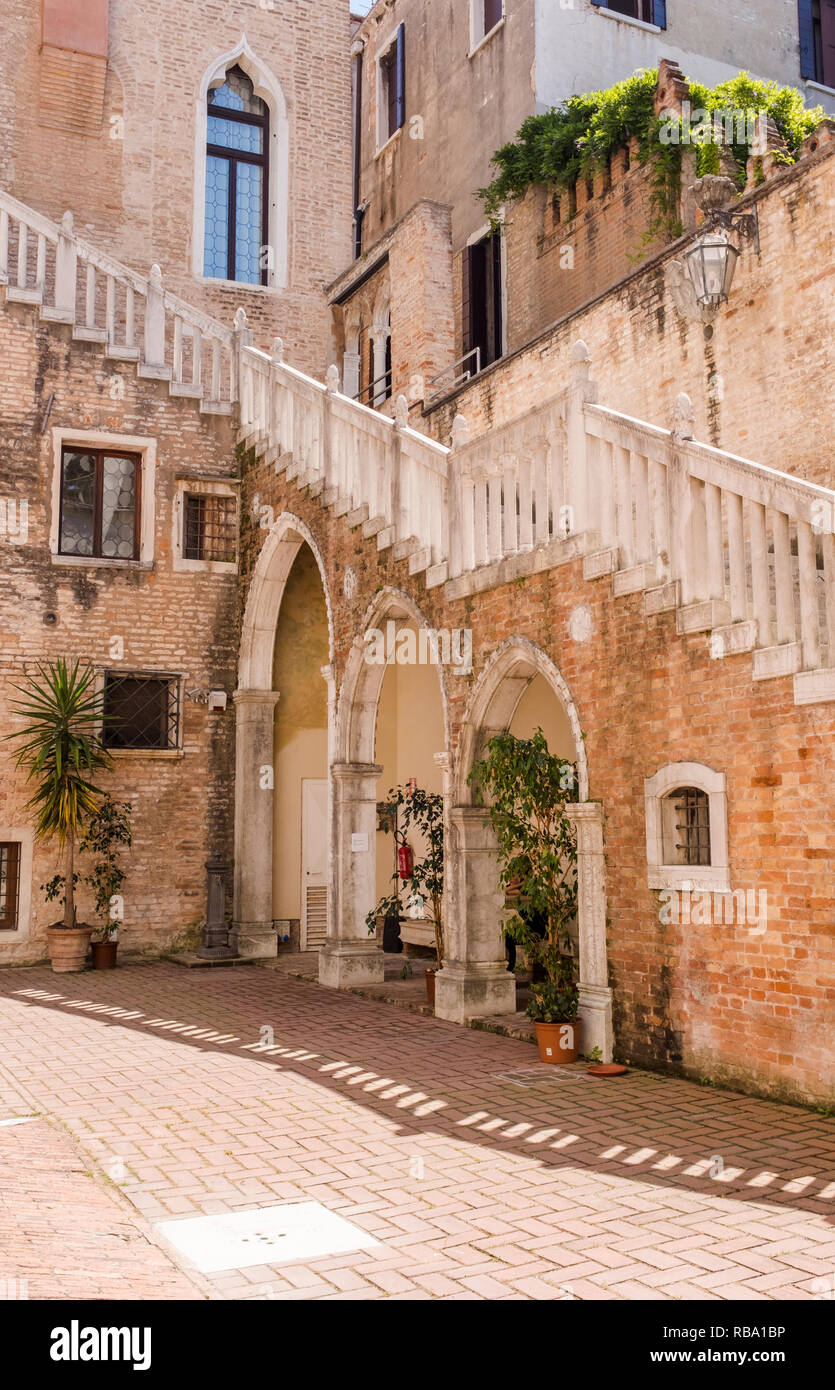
184,623
563,250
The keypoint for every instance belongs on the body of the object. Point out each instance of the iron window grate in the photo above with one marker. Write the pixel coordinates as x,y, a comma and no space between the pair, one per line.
9,884
210,528
141,712
693,824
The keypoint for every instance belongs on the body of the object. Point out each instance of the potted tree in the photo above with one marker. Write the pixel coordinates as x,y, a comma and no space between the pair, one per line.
404,809
107,829
528,788
61,751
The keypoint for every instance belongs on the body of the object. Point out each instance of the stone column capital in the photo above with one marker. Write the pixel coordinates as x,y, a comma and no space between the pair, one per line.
256,697
345,772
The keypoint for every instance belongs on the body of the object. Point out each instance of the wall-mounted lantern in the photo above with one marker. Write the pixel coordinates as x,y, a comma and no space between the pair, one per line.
703,283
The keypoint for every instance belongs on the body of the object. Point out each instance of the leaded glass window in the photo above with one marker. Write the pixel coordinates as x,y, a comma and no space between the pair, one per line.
236,234
99,504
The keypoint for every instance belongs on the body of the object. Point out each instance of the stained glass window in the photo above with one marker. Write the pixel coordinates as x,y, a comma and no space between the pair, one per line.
236,228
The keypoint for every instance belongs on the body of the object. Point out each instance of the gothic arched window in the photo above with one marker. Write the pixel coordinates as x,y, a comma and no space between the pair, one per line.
237,179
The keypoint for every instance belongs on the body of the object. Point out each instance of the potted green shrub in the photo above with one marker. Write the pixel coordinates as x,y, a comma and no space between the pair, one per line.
61,751
107,830
411,808
526,788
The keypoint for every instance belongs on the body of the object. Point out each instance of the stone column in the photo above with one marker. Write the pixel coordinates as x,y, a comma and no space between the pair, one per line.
350,955
380,343
474,980
254,805
351,373
595,994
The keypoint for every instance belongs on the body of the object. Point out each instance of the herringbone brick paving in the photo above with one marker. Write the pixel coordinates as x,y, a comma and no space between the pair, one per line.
481,1174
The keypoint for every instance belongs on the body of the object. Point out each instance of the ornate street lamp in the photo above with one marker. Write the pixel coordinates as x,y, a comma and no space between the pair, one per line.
711,263
702,284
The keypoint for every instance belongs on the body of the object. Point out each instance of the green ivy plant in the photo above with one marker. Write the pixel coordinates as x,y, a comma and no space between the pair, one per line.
525,788
408,808
578,137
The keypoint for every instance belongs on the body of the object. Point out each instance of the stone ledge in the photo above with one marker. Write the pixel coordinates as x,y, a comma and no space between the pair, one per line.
634,580
813,687
601,563
784,660
663,599
703,617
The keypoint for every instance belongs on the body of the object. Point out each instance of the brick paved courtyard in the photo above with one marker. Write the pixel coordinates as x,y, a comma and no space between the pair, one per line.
479,1173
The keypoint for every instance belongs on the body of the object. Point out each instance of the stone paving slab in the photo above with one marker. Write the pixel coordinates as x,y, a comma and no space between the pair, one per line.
221,1091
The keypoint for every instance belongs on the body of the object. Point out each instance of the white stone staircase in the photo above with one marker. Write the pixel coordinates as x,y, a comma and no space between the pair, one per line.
133,318
738,551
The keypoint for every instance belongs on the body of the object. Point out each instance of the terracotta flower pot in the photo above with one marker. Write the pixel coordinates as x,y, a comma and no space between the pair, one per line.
430,987
104,954
558,1043
68,947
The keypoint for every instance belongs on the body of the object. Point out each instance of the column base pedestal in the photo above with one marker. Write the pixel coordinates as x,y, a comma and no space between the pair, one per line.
254,940
473,990
344,964
596,1012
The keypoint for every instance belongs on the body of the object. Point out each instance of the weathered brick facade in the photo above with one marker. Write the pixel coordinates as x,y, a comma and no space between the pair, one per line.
169,621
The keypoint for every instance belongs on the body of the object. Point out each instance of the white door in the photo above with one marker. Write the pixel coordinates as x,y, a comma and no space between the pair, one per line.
314,921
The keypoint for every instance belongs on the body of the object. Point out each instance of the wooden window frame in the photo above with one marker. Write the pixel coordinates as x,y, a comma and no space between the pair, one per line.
235,157
99,452
11,920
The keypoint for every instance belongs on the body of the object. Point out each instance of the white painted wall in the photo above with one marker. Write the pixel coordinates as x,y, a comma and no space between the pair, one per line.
583,48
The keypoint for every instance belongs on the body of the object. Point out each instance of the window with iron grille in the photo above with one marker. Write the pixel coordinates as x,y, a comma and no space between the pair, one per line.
210,527
100,501
686,827
9,884
141,711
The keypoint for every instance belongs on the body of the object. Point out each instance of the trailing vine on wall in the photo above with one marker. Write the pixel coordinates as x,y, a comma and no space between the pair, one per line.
577,138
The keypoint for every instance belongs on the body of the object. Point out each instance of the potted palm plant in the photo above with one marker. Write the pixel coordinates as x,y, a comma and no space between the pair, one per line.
62,751
107,829
528,788
408,809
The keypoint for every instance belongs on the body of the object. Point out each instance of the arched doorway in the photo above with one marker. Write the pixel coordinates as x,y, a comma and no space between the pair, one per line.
284,735
385,727
519,689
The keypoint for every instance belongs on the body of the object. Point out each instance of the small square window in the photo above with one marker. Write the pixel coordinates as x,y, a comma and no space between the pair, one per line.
210,526
9,884
100,503
140,712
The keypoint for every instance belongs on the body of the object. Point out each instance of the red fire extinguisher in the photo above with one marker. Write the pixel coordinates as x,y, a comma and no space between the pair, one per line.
404,861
